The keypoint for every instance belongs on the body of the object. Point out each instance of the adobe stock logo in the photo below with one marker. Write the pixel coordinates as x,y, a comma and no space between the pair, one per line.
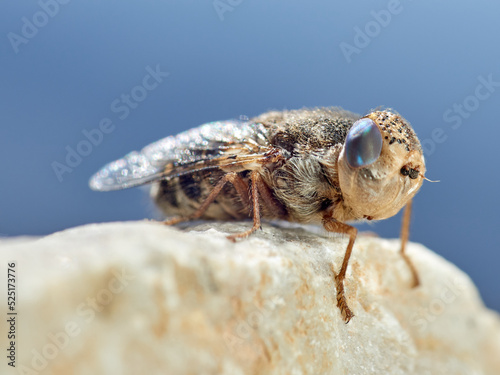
460,112
224,6
30,26
372,29
121,107
83,316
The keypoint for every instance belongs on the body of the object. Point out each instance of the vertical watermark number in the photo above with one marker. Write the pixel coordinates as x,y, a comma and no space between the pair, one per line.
11,313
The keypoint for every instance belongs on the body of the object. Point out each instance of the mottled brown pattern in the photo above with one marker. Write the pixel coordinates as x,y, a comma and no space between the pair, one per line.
305,176
308,143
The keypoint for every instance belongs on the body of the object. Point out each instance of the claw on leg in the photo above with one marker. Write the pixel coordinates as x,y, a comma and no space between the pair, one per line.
341,300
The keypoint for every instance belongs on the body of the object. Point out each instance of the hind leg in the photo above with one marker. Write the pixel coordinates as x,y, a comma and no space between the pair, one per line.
231,177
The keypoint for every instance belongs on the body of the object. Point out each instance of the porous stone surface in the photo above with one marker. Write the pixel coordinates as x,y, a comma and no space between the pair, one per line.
143,298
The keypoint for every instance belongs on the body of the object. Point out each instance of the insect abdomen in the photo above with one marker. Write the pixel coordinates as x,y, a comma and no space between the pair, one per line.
182,196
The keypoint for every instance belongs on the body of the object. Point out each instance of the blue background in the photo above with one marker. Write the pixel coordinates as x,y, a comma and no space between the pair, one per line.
257,56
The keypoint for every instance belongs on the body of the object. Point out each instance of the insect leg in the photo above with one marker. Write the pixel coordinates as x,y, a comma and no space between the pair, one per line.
269,201
405,233
231,177
333,225
241,188
256,179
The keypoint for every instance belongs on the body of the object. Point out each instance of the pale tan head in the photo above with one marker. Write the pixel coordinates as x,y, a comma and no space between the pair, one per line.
381,166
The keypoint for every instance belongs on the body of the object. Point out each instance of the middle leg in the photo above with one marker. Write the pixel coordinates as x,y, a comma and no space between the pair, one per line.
255,180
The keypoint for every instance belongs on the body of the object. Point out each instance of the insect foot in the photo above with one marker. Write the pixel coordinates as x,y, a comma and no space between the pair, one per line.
346,312
174,220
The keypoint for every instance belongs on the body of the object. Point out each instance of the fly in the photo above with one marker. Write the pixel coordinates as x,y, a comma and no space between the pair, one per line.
324,165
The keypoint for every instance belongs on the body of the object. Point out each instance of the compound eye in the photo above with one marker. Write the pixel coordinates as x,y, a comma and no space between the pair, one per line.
363,143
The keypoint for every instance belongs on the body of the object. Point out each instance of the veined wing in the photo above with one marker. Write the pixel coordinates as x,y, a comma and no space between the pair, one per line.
206,146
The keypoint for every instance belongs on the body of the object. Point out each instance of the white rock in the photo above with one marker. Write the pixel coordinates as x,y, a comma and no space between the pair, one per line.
142,298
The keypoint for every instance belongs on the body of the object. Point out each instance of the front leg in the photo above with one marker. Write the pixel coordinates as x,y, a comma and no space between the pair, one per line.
332,225
405,233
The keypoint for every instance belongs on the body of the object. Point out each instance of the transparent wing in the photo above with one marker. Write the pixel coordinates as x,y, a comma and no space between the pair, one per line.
198,148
